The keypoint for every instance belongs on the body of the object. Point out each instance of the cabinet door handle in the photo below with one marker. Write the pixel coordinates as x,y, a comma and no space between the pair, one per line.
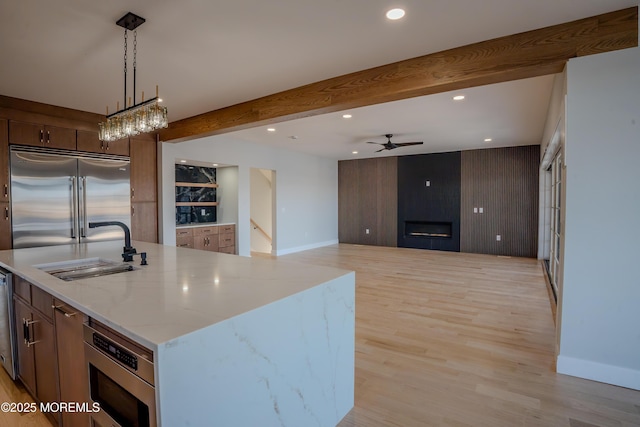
41,136
133,192
48,137
6,190
107,145
25,331
6,213
60,309
133,210
27,340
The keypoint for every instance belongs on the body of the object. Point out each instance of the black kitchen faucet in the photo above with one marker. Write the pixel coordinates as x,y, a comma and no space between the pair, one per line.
128,251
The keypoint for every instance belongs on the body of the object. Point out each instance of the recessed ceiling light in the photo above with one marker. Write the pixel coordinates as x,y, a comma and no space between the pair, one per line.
183,161
293,137
394,14
271,129
159,99
458,97
488,140
346,116
215,164
354,152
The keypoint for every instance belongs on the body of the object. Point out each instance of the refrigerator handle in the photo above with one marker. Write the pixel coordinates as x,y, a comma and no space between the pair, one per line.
74,206
85,225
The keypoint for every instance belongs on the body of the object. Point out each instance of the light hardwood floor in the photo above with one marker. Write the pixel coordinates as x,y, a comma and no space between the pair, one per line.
11,392
450,339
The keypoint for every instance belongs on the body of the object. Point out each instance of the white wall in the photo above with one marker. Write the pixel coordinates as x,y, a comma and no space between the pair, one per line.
227,194
306,190
552,137
600,329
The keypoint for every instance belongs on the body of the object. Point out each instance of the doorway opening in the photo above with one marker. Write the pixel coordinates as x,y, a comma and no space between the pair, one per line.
262,219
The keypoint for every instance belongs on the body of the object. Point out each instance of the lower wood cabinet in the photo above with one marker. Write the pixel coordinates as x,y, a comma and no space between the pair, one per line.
37,361
72,370
206,238
214,238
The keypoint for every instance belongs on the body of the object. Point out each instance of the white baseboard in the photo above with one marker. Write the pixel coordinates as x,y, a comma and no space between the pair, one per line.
616,375
305,247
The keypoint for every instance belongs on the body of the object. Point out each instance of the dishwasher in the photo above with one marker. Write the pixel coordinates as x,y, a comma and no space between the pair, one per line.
7,329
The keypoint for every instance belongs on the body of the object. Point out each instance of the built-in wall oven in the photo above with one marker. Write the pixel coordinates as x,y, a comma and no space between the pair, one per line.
120,378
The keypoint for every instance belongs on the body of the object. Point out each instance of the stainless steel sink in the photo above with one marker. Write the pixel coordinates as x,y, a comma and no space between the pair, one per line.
84,268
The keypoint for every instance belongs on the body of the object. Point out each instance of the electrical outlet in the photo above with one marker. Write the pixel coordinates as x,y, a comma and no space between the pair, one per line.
428,183
475,210
498,237
366,231
481,210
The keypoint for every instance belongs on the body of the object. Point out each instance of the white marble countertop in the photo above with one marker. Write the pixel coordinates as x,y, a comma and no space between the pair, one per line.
180,291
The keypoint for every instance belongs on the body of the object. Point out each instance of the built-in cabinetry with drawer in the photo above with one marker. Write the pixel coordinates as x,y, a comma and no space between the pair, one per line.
214,238
51,362
37,361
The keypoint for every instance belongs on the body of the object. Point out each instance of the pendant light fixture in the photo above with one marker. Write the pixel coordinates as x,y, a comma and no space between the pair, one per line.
134,119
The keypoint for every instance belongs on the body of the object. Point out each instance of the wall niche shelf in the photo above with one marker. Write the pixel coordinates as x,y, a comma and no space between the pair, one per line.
196,198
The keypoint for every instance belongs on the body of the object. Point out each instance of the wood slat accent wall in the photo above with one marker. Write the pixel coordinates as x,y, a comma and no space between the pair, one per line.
368,198
504,182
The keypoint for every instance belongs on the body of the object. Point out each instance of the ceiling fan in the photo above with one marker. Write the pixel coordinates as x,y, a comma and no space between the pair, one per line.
390,145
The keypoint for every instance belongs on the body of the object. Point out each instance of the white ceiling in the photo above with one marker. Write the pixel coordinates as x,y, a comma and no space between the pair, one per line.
209,54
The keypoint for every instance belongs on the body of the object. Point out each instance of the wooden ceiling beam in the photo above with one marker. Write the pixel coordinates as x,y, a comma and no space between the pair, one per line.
530,54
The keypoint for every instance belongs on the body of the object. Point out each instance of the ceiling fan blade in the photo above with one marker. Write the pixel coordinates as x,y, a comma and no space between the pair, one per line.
371,142
382,149
404,144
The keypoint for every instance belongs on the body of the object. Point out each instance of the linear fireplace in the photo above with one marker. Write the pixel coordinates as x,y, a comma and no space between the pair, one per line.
428,229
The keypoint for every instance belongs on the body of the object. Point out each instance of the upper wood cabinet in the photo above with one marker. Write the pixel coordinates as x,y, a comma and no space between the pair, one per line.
39,135
144,166
144,194
4,160
89,141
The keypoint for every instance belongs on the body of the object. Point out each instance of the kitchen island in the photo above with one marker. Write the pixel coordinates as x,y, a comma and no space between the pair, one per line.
236,341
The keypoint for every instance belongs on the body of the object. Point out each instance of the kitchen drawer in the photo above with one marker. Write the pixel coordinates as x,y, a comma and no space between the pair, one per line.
42,301
227,228
228,250
184,242
184,232
22,288
202,231
226,239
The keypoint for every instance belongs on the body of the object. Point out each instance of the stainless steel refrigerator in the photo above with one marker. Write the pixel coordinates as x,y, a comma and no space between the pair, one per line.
54,196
